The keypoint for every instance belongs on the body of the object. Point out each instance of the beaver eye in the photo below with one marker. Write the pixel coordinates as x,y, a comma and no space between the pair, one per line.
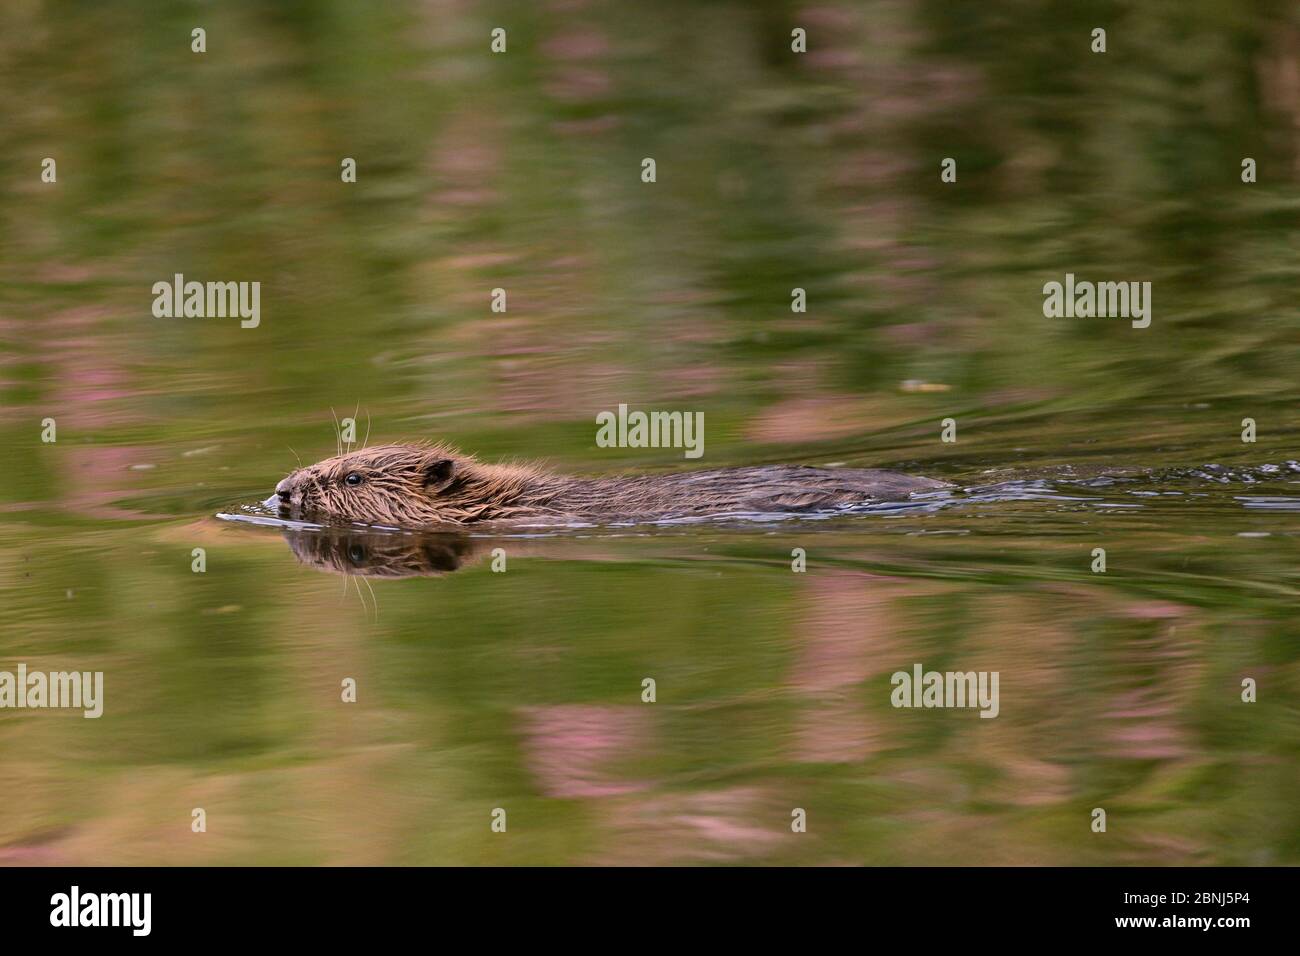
354,479
356,553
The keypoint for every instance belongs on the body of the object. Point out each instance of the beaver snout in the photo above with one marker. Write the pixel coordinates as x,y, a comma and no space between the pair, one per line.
283,492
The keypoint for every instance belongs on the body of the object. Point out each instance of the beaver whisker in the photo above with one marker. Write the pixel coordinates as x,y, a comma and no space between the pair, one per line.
365,610
373,600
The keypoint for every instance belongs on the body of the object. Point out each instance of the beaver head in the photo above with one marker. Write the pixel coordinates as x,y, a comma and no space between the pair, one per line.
411,485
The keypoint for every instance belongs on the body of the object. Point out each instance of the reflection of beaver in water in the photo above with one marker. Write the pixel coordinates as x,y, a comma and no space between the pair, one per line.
382,554
420,486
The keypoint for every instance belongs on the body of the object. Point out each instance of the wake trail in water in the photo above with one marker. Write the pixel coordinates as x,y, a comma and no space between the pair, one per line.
1137,489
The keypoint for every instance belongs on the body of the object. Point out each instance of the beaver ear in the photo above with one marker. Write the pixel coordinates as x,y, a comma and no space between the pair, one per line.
438,474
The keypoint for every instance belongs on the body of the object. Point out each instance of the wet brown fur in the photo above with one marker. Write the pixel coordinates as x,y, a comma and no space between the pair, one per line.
426,485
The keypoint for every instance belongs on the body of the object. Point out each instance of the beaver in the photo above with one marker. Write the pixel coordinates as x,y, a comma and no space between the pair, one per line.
423,485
